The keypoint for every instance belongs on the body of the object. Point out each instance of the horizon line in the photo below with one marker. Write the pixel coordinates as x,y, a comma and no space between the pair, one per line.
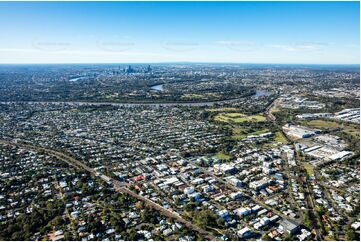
173,62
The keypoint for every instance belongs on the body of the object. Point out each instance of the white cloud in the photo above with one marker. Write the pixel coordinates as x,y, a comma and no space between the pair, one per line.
239,45
17,50
301,46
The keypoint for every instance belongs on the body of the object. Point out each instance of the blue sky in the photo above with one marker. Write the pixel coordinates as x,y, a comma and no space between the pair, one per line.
238,32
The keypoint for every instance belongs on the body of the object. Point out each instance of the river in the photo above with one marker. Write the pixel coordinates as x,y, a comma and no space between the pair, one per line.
75,79
158,87
259,93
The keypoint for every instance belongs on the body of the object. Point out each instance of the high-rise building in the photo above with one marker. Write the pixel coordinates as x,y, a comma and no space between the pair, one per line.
129,69
149,69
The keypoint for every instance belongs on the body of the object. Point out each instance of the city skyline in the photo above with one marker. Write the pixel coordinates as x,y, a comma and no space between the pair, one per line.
156,32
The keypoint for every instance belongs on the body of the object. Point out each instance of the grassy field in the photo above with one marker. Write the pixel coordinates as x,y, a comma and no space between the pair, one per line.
222,109
239,133
205,96
353,130
309,169
279,137
238,118
234,115
193,96
274,109
223,156
349,128
319,123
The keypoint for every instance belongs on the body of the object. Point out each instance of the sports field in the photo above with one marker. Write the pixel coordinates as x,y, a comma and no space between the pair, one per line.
238,118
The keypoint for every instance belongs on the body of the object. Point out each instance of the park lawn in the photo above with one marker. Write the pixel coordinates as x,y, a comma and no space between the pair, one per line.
319,123
192,96
238,132
349,128
222,109
221,118
252,118
204,96
228,117
238,118
353,130
242,136
234,115
267,146
329,238
275,109
258,118
309,169
111,96
261,131
279,137
223,156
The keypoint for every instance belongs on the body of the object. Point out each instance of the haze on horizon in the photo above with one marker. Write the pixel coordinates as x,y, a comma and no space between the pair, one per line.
150,32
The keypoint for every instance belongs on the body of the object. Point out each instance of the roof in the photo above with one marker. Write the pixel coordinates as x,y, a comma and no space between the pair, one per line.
289,225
